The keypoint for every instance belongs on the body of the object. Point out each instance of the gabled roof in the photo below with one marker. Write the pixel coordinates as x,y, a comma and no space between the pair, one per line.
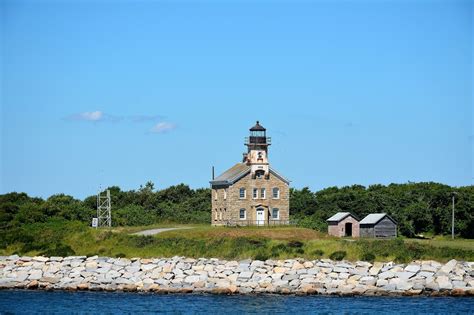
338,217
375,218
231,175
238,171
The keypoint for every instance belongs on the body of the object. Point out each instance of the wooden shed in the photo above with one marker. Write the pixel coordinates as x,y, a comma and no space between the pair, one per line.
378,225
343,224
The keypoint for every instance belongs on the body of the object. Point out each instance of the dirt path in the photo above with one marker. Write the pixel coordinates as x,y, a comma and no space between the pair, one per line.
156,231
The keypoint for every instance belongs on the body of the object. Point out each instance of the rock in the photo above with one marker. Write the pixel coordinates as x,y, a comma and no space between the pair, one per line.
412,268
404,286
386,275
246,275
375,269
40,258
449,266
404,275
191,279
444,283
35,274
33,284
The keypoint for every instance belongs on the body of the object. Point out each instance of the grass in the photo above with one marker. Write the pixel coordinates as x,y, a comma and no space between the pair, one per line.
236,243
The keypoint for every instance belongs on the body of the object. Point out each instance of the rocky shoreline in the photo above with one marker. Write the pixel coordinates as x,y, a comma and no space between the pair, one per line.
189,275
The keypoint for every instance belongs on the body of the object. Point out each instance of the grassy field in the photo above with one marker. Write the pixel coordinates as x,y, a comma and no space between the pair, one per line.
231,243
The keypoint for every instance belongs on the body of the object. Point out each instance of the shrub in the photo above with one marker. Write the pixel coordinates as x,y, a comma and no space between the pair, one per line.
120,255
338,255
295,244
59,249
367,256
261,256
317,253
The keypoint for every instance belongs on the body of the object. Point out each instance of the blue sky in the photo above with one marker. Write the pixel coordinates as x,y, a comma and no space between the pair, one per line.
119,93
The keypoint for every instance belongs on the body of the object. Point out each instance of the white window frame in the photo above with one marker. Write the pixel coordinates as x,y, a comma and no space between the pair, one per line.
255,193
220,214
245,214
278,214
278,193
245,193
263,193
215,194
225,193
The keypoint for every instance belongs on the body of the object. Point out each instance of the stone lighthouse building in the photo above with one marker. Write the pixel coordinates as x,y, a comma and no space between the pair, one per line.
251,192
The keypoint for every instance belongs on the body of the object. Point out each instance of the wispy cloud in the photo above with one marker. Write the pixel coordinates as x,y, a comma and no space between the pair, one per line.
95,116
160,126
163,127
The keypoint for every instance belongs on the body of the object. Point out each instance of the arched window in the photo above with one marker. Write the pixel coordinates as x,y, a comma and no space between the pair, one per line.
276,193
242,193
259,173
242,214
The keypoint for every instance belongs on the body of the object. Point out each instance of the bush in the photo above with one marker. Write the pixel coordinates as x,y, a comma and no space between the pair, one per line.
367,256
338,255
295,244
317,253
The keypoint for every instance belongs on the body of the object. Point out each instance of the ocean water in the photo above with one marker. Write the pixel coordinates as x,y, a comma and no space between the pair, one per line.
21,302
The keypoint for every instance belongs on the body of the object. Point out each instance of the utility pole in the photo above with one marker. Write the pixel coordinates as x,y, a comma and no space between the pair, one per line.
452,218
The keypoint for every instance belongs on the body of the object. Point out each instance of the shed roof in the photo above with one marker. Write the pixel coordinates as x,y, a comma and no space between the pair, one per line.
339,216
374,218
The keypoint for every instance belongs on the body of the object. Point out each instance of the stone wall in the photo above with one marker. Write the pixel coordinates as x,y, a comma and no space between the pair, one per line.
182,275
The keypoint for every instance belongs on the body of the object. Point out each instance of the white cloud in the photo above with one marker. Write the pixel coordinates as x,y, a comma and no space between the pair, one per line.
91,116
162,127
95,116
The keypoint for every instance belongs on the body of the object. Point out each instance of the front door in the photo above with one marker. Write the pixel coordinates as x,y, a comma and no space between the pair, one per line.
260,216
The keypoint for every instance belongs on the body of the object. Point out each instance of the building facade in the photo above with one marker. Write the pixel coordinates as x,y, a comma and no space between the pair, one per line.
343,224
251,192
378,225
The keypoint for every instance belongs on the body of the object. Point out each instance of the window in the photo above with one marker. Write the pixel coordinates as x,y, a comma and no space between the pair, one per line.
276,193
225,193
255,193
242,193
275,214
242,214
259,173
215,215
262,193
220,214
215,194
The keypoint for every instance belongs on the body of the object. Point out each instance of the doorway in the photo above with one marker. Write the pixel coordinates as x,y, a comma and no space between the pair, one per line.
348,229
260,216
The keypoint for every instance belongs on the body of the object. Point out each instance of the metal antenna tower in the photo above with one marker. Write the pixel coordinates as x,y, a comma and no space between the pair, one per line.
103,209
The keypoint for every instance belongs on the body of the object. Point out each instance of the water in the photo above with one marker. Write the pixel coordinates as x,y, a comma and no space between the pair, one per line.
116,303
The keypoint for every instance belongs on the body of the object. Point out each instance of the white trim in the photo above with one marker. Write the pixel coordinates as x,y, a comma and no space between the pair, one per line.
278,214
225,193
273,193
263,193
255,193
245,214
245,193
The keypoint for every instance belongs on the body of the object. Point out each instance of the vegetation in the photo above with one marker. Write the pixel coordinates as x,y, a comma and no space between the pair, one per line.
75,238
419,208
59,225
